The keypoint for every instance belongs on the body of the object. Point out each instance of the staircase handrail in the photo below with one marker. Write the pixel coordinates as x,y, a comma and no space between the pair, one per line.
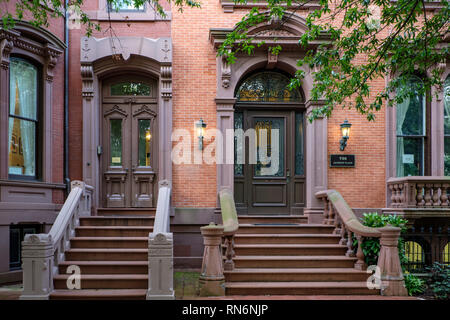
42,253
160,249
339,214
230,223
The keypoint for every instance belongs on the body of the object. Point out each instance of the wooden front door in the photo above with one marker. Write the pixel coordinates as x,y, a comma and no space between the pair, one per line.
129,143
273,181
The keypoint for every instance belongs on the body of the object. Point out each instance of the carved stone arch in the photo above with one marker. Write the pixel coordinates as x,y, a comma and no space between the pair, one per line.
103,57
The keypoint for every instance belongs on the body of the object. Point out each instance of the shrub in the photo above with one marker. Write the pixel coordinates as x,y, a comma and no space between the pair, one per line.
439,280
414,285
371,246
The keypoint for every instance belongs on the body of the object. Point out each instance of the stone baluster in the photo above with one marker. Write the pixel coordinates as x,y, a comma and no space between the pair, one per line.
325,210
360,264
343,233
399,194
419,195
337,225
331,214
444,196
349,252
229,252
436,197
212,279
428,198
391,188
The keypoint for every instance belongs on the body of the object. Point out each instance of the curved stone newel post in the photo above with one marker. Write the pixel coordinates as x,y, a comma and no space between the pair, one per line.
212,279
160,267
37,265
392,283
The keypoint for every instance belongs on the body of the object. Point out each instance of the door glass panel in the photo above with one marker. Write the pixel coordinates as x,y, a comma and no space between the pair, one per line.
130,89
270,147
238,147
116,142
299,167
145,137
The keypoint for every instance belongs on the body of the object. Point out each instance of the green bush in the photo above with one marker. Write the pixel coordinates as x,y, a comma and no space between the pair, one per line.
371,246
414,285
439,280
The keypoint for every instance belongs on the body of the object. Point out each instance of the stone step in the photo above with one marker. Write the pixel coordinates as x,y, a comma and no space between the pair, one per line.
287,238
126,211
107,254
250,219
296,275
285,229
294,261
106,267
299,288
289,249
105,281
109,242
113,231
120,294
116,221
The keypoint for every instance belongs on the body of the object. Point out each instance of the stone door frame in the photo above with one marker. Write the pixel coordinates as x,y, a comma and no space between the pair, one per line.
230,75
102,57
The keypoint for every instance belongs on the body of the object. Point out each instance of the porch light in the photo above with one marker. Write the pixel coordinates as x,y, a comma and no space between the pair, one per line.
200,125
345,130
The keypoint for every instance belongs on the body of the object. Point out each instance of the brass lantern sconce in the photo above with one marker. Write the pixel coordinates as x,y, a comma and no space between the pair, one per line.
345,130
200,125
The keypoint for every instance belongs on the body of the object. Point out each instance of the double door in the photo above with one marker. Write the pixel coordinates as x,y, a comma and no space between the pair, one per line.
128,154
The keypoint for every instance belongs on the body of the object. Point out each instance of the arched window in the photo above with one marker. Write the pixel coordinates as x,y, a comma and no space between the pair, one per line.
23,118
412,130
267,86
447,126
446,254
415,255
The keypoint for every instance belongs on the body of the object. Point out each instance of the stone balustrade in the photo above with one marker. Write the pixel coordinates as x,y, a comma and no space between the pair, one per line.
339,214
419,192
42,253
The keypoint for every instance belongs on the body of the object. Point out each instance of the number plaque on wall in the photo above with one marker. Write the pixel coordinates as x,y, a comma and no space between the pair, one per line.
342,161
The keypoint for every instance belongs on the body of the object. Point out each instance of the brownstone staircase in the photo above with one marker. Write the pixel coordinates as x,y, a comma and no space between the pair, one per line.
283,255
111,250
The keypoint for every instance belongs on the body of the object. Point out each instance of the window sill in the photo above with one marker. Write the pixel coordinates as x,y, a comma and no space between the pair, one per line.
32,183
146,16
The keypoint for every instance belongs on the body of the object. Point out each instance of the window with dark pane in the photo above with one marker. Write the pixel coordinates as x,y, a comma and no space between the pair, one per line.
299,141
145,137
411,130
130,89
269,162
116,142
16,236
23,118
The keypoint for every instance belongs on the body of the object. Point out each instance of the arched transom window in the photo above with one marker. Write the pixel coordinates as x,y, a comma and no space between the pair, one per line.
267,86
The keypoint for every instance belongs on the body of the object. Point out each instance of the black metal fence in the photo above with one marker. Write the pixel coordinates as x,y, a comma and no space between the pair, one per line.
426,245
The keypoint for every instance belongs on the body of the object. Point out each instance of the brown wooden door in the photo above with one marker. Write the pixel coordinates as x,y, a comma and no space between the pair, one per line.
274,182
129,144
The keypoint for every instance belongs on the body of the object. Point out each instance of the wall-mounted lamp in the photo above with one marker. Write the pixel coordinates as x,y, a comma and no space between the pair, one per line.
200,125
345,130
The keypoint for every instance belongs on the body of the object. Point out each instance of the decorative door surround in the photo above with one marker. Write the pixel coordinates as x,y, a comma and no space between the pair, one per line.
228,78
100,58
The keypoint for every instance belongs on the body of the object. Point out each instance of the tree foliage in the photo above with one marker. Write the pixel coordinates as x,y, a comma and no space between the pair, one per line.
369,39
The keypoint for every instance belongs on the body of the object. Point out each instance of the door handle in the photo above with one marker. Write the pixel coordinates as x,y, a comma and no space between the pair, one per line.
288,175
